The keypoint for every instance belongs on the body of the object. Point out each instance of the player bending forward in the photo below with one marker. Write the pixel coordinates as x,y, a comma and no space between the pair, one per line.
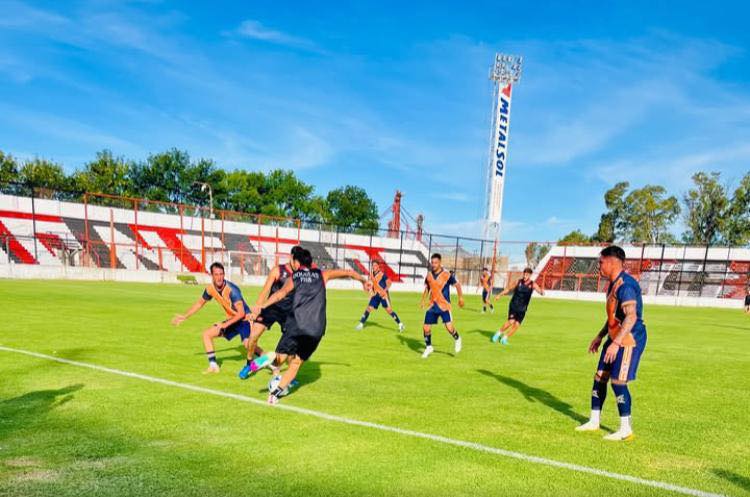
229,297
381,284
277,313
438,286
626,341
522,290
306,324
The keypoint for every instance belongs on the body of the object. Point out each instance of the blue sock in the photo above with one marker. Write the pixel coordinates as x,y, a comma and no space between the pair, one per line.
211,357
364,317
428,340
395,317
598,395
624,401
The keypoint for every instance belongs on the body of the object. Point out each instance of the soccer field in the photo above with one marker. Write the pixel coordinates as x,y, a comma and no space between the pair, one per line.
67,429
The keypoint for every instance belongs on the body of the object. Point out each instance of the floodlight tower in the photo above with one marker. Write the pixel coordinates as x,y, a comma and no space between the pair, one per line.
505,72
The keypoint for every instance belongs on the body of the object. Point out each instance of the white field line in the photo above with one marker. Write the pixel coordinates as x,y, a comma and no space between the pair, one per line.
375,426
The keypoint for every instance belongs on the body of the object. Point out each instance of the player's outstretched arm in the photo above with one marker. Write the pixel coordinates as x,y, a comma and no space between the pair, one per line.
266,290
180,318
506,291
538,289
342,274
276,297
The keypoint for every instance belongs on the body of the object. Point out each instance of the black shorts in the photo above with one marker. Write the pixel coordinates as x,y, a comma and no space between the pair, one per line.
273,314
296,344
747,300
516,314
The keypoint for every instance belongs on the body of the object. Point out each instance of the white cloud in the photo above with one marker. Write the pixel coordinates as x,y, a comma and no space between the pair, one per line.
255,30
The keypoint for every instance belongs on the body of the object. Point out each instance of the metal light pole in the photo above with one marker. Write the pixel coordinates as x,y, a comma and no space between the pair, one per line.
505,72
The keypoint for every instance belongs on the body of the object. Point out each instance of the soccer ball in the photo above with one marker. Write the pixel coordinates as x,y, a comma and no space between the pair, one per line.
275,383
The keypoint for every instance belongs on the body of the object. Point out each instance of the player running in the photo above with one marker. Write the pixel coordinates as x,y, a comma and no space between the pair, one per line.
229,297
747,300
275,314
522,290
381,284
485,281
438,286
626,341
306,324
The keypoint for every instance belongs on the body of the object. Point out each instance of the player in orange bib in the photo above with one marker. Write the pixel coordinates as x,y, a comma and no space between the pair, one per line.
485,281
229,297
626,341
380,285
438,287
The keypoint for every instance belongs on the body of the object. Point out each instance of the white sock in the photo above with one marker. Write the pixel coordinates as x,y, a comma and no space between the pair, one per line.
625,424
595,416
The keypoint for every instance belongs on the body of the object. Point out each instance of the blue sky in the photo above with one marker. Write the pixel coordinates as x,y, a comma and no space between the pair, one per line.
390,95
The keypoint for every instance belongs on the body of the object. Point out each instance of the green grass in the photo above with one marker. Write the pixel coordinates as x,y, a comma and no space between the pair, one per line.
66,430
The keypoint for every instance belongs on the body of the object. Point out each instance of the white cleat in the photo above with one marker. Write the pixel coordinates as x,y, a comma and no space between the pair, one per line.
427,351
359,326
620,436
588,426
457,345
401,327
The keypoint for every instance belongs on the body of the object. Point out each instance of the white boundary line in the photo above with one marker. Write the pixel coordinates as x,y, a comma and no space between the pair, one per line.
409,433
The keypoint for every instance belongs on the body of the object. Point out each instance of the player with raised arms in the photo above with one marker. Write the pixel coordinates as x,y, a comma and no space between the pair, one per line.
626,341
522,290
379,295
275,314
485,281
438,284
229,297
306,324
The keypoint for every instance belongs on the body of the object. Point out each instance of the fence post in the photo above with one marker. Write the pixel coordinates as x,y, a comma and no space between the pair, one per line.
726,271
455,257
703,271
135,211
33,221
400,255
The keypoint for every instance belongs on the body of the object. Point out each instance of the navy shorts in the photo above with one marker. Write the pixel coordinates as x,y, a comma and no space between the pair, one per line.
377,300
433,313
485,293
625,365
747,300
241,328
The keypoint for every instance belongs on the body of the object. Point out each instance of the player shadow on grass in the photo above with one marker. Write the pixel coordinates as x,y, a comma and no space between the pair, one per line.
309,373
741,481
487,334
36,403
533,394
417,345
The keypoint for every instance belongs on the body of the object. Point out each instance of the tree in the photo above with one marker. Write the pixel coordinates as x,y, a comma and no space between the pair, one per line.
647,215
286,195
535,252
705,209
242,191
575,237
610,223
105,174
46,177
736,229
351,208
8,174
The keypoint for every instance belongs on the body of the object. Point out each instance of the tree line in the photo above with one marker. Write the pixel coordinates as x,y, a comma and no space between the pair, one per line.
172,176
712,212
